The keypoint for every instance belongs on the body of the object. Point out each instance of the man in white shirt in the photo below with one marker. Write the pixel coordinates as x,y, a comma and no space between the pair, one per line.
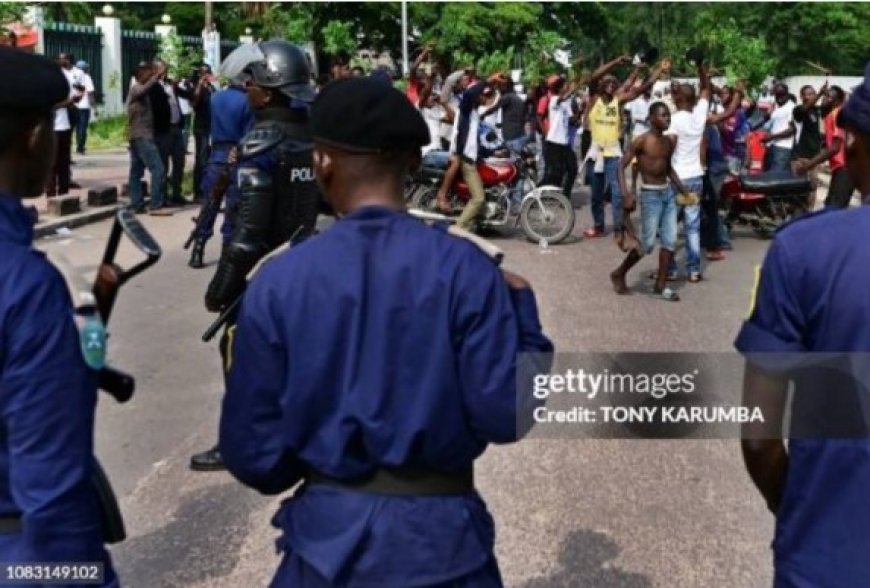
86,85
782,132
639,110
687,128
60,179
559,160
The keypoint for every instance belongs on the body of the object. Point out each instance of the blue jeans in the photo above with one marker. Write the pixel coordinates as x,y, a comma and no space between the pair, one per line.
692,227
658,209
777,159
516,146
610,177
144,154
82,129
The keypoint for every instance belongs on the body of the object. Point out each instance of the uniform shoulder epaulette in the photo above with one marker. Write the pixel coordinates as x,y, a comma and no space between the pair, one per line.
260,139
492,251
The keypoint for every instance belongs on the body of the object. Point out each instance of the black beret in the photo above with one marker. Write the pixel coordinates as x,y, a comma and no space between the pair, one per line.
30,83
364,115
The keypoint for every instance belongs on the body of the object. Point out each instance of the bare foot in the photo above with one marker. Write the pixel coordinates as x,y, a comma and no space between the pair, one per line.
619,285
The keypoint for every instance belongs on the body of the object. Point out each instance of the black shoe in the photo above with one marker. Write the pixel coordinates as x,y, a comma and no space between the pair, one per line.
207,461
196,255
141,209
177,201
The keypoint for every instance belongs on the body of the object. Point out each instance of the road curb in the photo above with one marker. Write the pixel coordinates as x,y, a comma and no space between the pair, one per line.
91,215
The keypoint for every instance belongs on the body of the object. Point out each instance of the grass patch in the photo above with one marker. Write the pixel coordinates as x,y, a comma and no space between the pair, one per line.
108,133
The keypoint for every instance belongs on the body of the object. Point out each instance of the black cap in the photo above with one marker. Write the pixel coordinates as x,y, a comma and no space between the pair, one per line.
364,115
30,83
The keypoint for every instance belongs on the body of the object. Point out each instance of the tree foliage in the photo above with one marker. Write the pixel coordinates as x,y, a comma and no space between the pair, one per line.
781,37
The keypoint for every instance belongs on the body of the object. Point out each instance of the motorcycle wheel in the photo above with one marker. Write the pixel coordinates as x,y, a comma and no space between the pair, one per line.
546,215
424,198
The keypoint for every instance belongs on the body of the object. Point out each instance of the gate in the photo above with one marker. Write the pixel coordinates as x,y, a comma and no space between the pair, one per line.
83,43
136,46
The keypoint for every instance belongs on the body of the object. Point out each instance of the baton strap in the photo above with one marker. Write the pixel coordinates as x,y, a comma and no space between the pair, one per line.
403,482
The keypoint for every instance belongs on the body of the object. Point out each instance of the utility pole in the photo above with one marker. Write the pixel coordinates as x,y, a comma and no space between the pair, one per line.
405,37
209,20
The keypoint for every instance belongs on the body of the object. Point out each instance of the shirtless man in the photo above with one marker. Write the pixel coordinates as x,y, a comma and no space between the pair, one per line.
653,151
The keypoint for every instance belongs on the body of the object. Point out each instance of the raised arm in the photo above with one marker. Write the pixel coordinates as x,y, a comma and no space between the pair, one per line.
604,70
634,92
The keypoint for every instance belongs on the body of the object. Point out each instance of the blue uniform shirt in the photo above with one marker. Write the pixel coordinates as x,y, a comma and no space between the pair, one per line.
47,400
813,296
231,116
379,343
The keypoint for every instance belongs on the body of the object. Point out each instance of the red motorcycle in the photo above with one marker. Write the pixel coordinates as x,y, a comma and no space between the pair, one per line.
512,196
762,200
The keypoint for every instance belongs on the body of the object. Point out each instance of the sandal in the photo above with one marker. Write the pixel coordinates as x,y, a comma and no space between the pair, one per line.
669,295
716,255
695,277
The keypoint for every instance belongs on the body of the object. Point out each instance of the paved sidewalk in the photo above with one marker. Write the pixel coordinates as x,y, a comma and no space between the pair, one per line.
96,169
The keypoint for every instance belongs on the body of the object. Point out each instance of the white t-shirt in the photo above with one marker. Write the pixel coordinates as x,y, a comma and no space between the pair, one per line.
689,129
493,121
184,103
61,116
88,83
471,141
433,117
559,114
780,119
639,110
447,128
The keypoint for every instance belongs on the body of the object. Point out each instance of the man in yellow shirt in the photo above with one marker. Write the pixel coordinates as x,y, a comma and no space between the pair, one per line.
603,123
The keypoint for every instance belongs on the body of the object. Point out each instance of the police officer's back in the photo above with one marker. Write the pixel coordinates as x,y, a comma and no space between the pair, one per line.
278,196
376,360
811,310
48,508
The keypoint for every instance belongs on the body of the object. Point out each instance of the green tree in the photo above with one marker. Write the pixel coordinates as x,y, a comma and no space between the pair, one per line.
338,38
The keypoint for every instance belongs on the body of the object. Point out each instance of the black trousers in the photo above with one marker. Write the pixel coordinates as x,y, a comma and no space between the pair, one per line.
560,167
171,147
201,151
58,182
841,189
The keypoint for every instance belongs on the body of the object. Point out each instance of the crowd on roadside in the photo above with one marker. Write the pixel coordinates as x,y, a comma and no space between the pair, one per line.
584,126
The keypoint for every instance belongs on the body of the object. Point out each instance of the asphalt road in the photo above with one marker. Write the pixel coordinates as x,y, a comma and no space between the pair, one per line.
569,513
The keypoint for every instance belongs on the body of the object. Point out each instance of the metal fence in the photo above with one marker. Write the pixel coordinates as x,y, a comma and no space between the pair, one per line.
191,42
83,43
136,46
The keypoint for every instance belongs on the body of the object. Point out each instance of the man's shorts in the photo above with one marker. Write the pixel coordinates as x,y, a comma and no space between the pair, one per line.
659,217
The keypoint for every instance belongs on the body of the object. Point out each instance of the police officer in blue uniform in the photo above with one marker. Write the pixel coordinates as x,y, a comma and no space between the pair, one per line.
376,361
48,508
279,199
231,119
811,310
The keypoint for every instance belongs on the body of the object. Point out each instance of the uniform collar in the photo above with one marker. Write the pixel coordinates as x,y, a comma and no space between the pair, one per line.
16,223
371,212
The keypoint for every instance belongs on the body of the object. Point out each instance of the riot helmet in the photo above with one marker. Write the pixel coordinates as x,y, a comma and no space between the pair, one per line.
284,67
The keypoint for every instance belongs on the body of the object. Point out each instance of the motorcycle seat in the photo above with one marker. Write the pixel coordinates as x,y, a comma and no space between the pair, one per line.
775,183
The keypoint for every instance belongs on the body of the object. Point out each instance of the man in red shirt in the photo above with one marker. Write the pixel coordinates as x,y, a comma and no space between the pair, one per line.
841,188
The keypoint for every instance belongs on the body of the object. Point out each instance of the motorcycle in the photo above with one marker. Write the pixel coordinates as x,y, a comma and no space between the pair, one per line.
512,195
761,200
